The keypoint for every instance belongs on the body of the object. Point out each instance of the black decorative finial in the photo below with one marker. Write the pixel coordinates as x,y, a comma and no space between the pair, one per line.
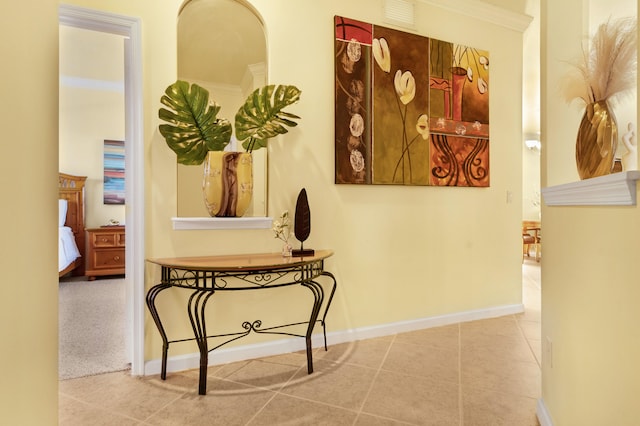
302,224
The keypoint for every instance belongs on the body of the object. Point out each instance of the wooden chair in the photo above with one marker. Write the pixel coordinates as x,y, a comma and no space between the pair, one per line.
531,236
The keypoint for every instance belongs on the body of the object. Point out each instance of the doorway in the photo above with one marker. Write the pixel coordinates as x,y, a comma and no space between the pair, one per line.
129,29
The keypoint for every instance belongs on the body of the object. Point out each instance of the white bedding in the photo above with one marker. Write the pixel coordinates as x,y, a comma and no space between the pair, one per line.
67,248
62,211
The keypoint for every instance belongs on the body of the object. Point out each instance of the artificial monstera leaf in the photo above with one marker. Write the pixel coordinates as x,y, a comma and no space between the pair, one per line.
193,128
262,116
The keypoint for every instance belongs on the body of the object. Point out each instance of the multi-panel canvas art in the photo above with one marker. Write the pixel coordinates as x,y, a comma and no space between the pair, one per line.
409,110
113,172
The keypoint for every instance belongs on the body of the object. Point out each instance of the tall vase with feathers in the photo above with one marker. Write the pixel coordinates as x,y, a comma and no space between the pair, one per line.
597,141
606,71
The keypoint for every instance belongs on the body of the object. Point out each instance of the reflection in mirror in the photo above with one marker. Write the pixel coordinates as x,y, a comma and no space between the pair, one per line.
221,47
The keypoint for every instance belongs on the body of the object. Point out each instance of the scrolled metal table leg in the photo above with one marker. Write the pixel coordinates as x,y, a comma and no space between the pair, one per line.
151,304
318,297
196,308
326,309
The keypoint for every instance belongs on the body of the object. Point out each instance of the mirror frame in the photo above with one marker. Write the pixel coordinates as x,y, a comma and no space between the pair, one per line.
190,201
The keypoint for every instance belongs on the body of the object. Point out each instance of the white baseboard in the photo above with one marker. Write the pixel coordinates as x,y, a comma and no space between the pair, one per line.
543,415
282,346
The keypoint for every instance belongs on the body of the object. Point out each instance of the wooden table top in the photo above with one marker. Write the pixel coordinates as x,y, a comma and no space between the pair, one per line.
240,262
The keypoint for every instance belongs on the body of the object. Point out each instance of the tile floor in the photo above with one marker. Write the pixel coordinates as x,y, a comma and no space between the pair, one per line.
476,373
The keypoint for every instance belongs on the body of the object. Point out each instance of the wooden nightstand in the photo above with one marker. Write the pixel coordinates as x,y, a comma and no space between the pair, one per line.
105,252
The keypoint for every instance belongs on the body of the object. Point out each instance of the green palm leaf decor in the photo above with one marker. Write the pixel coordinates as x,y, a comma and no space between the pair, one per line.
194,127
262,116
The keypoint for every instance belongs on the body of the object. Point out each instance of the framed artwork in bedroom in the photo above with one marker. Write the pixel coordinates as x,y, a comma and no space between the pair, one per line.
113,172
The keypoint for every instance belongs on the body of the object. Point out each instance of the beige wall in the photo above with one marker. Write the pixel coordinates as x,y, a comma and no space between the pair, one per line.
590,266
402,253
531,197
415,236
28,174
531,114
91,110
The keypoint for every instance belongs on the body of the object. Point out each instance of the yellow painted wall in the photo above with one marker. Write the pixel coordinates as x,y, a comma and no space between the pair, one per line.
28,175
401,252
590,268
90,113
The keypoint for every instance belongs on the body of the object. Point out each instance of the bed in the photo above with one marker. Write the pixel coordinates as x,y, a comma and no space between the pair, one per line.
71,244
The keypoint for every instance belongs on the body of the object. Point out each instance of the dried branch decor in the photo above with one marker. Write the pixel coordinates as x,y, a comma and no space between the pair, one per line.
607,70
608,66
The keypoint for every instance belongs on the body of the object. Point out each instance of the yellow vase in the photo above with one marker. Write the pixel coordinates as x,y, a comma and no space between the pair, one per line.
227,185
597,141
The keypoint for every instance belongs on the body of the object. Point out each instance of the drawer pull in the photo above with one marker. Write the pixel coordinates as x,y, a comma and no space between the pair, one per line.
116,257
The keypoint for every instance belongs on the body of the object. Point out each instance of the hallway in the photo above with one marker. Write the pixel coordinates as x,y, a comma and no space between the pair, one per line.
475,373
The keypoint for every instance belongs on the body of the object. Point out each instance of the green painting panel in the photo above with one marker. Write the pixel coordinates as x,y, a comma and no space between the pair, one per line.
400,152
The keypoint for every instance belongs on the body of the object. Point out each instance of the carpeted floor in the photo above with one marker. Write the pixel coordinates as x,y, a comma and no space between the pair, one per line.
92,327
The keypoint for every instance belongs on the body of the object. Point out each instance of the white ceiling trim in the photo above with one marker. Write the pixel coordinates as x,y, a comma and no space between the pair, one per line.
483,11
79,17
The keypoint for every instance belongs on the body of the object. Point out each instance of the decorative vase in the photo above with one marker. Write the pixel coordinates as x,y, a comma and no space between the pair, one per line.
458,79
227,185
286,250
597,141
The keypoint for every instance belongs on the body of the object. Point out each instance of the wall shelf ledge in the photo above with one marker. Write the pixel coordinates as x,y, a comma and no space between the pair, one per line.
201,223
617,189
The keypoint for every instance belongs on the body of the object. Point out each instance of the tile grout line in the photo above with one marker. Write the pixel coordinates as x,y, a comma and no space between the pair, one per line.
524,336
378,370
279,392
538,288
275,393
102,409
178,397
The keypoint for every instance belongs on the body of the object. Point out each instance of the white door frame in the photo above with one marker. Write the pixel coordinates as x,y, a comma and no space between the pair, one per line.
130,28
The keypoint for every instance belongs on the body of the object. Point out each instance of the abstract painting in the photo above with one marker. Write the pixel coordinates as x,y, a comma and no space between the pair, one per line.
409,110
113,172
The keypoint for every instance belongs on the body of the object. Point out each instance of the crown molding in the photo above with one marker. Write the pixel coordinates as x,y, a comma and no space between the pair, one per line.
484,11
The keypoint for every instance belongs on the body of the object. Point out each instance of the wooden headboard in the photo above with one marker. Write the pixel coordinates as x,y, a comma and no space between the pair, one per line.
71,188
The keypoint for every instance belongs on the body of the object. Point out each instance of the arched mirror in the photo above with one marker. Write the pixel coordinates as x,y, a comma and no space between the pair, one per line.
222,47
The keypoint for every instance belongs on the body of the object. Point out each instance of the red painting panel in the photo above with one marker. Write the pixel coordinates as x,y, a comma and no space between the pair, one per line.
459,82
350,29
459,161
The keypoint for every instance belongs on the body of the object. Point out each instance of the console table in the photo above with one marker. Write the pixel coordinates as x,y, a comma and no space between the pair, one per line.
204,276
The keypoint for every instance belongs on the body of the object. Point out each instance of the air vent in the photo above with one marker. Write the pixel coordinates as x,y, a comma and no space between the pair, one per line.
400,12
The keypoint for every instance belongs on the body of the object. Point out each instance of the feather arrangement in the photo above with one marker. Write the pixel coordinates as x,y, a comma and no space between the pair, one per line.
608,67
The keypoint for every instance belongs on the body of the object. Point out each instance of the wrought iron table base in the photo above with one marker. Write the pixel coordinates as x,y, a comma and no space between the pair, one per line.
204,284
